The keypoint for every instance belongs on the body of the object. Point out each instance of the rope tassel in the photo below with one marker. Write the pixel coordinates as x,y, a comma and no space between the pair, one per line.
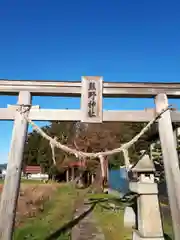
101,159
53,151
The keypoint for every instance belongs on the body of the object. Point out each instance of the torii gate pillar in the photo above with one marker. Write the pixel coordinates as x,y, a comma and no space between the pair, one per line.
11,187
171,162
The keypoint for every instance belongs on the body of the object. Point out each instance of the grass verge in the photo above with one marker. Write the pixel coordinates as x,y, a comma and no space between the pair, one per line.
58,212
167,221
111,222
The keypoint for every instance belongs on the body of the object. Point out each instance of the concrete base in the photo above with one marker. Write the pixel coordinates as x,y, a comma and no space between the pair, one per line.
129,217
137,236
149,217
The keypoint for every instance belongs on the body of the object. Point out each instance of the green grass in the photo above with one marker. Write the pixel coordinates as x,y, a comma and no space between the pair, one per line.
58,212
1,181
60,209
111,222
167,225
112,225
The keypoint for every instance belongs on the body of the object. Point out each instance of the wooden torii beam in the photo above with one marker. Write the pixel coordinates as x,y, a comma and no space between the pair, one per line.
37,114
73,88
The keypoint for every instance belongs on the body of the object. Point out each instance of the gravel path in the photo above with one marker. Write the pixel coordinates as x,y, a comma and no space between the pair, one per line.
86,228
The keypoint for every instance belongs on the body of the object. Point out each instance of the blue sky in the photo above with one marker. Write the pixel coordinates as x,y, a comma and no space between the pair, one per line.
63,40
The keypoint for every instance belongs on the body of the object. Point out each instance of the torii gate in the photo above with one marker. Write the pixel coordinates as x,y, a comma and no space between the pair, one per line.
91,90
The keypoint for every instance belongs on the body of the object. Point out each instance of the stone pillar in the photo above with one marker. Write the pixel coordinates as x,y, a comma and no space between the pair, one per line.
149,224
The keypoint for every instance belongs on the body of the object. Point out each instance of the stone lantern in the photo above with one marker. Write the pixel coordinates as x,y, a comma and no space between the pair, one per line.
149,225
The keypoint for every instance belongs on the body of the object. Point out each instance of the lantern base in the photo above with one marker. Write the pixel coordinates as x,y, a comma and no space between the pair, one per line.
137,236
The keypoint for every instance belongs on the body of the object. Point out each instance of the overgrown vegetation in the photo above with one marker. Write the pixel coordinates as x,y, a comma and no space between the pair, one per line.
32,200
58,211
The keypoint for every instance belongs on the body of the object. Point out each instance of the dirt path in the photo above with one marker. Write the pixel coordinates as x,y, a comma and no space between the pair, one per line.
86,227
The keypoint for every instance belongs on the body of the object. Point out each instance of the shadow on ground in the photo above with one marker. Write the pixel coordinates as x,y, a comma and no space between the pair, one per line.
93,202
166,237
68,226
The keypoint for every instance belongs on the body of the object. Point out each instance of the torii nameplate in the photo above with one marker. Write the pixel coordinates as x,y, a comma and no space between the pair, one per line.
91,99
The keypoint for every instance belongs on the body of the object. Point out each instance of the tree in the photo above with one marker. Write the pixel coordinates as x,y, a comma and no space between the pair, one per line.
38,150
87,138
107,136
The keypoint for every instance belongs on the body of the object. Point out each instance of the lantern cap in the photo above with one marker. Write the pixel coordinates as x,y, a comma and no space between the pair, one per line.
145,164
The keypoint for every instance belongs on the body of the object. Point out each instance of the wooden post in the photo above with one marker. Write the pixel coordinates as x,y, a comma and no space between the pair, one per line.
72,174
67,175
11,187
171,164
92,178
107,169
